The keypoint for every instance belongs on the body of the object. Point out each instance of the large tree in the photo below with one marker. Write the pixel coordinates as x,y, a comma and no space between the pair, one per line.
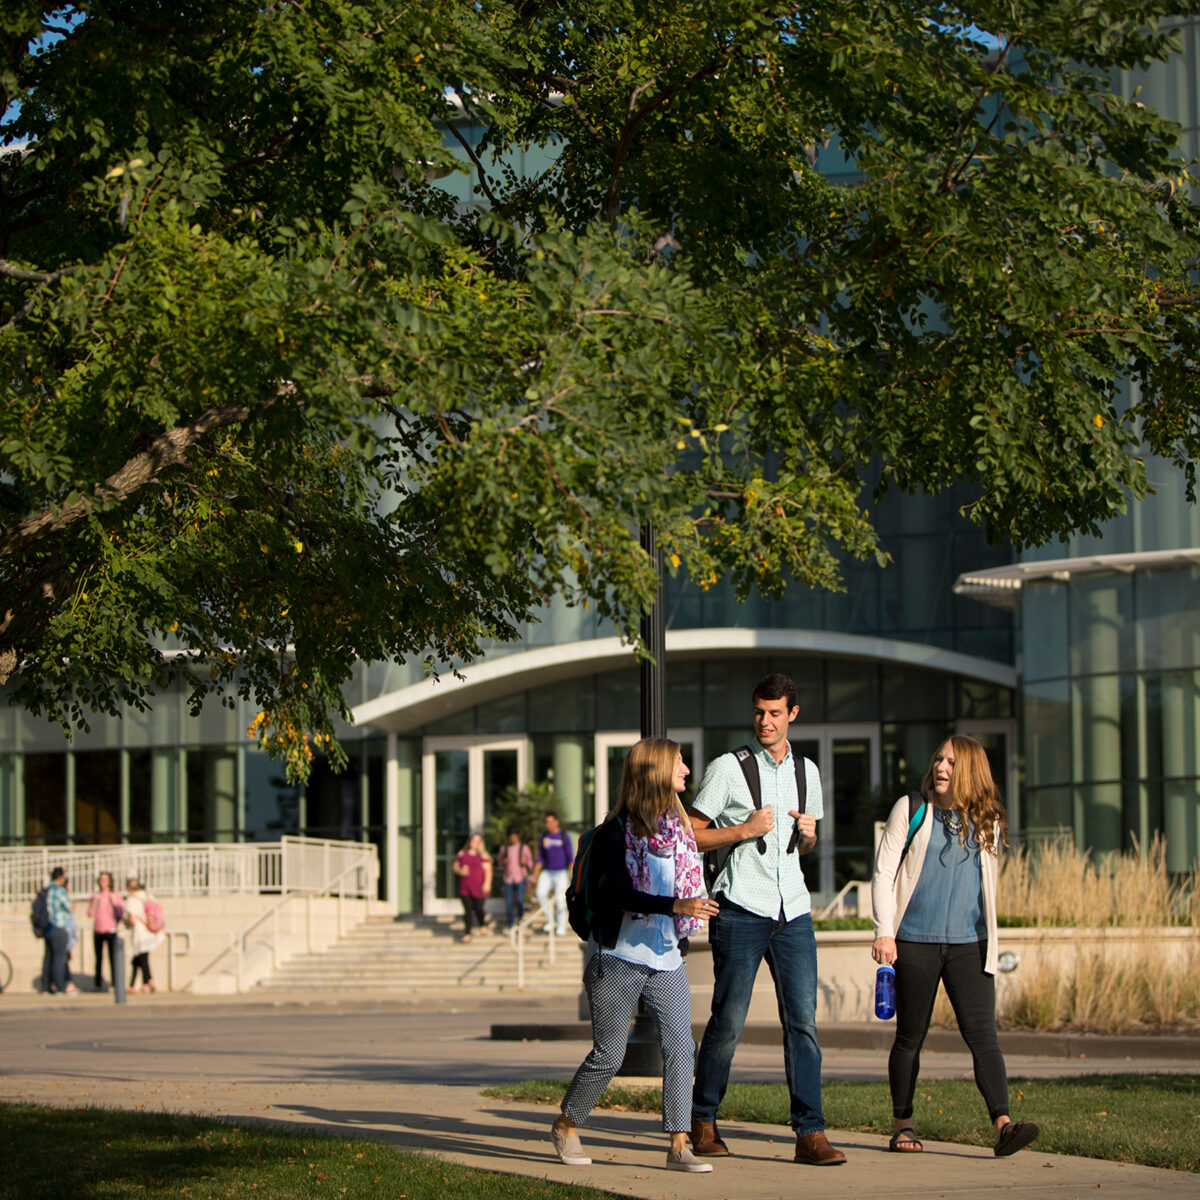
274,402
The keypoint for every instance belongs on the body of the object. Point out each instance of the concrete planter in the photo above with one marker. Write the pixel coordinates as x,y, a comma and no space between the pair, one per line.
846,971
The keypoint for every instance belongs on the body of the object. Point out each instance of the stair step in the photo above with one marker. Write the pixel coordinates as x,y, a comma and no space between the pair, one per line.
386,955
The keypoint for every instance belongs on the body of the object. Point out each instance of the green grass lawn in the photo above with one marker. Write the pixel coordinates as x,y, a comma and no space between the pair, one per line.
107,1154
1149,1119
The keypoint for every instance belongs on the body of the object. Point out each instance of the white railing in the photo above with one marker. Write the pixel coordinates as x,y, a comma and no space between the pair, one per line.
545,913
197,869
307,864
861,888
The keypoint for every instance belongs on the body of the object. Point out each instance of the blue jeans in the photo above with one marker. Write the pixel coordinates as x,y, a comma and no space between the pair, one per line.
54,961
514,902
740,941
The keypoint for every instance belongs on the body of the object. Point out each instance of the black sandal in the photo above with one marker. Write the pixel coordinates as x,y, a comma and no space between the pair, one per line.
1016,1135
912,1144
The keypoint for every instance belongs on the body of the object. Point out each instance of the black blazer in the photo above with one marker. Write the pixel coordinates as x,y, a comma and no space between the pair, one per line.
614,892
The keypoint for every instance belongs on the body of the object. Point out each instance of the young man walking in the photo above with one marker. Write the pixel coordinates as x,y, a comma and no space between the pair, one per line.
552,873
765,913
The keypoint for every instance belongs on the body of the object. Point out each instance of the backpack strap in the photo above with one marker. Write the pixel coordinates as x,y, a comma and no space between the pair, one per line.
916,814
749,764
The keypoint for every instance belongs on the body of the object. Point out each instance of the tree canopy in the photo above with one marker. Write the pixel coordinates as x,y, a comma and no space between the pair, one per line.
274,401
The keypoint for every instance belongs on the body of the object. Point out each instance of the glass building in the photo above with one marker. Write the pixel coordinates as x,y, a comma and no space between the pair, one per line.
1078,666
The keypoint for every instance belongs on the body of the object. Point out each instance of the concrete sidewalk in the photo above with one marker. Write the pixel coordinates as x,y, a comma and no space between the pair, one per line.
413,1079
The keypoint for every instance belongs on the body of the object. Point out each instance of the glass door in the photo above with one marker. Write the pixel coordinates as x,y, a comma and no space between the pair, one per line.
611,749
461,779
848,759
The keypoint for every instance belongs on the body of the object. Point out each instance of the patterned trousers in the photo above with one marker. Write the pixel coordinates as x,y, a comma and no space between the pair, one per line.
613,997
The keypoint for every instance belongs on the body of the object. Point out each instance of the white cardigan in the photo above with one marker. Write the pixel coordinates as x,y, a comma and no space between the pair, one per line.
893,882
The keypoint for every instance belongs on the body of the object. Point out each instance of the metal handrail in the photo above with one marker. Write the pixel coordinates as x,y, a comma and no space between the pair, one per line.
838,903
237,940
516,934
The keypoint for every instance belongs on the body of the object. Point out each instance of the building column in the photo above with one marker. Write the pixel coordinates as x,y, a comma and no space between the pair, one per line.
164,772
408,816
1180,737
1096,720
221,803
70,790
391,823
570,783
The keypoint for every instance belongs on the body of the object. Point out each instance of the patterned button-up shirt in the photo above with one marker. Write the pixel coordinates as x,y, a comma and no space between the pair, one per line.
58,905
766,883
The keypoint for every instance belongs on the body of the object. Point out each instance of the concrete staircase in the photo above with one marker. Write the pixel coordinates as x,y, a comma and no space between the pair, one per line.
386,956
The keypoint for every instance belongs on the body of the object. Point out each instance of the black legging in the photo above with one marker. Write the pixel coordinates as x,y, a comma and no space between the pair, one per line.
141,962
919,967
99,941
473,910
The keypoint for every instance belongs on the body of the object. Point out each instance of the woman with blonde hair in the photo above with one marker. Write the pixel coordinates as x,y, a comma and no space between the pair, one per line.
142,938
473,866
645,872
933,893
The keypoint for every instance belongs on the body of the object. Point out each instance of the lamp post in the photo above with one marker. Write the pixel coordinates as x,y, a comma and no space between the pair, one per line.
642,1054
654,638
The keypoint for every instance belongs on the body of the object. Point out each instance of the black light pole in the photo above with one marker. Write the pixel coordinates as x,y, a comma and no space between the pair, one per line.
642,1055
654,638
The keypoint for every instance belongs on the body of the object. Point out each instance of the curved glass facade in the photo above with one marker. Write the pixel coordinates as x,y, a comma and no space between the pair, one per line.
1111,709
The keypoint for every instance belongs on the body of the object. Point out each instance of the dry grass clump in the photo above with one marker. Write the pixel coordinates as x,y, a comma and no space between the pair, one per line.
1111,985
1102,993
1057,884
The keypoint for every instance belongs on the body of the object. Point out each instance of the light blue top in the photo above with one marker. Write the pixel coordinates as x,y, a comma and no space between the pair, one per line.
763,884
947,903
650,940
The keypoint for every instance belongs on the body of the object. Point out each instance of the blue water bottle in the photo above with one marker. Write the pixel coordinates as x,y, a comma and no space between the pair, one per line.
885,993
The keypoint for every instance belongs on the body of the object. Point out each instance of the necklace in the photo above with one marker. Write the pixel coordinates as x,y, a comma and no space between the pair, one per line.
953,821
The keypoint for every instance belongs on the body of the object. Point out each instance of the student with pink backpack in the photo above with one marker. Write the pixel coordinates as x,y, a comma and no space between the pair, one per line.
144,917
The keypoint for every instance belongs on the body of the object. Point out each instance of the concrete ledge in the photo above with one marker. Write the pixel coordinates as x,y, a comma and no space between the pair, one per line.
879,1037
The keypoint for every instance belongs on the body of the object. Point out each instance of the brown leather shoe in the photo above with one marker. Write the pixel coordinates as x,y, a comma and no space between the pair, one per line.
706,1140
814,1148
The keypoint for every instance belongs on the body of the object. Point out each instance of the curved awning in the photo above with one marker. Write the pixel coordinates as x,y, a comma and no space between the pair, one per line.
432,700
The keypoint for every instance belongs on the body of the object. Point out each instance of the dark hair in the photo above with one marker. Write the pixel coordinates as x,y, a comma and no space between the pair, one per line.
550,813
776,687
58,873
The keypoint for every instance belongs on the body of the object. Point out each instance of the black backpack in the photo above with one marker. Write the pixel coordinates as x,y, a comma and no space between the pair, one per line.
715,860
39,913
586,884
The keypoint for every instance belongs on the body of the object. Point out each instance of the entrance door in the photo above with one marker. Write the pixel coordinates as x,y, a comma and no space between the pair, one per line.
851,773
611,749
461,778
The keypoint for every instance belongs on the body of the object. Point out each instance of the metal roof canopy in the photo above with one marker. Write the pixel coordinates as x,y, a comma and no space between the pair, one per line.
1001,586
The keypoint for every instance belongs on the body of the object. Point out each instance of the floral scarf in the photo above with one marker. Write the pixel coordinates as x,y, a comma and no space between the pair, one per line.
671,838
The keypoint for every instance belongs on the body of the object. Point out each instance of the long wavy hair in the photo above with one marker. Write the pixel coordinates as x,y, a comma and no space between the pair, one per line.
648,785
973,792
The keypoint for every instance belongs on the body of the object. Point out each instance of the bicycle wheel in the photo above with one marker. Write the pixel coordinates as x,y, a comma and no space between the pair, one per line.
5,971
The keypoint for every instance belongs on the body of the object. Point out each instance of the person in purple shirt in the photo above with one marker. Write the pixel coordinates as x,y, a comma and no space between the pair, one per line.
552,873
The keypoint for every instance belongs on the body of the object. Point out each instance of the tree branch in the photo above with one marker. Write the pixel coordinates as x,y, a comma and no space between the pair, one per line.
479,167
168,450
636,117
27,276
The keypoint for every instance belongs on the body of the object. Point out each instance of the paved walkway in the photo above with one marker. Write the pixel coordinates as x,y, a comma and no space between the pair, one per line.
412,1077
